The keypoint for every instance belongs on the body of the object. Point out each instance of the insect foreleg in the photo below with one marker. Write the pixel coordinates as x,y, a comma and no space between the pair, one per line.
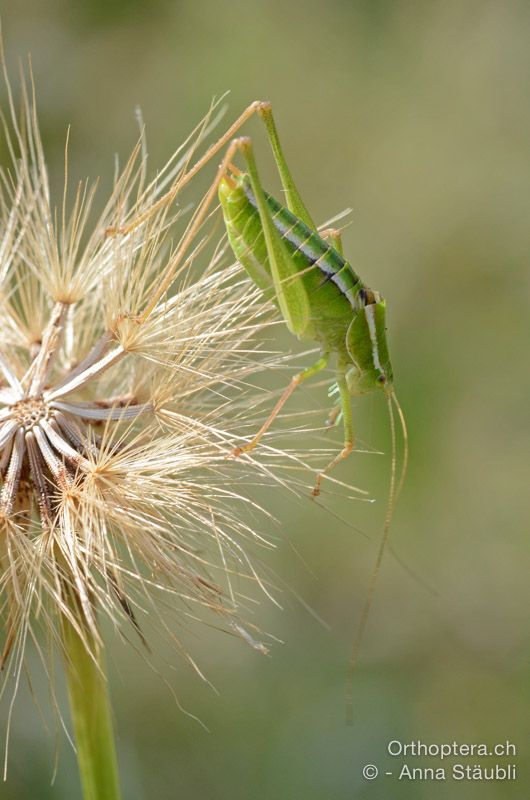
296,381
349,438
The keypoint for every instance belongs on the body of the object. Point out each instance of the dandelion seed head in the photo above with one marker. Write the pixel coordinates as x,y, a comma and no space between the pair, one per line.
115,425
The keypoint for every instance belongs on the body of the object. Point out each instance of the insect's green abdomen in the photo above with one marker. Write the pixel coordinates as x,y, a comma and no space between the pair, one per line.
329,280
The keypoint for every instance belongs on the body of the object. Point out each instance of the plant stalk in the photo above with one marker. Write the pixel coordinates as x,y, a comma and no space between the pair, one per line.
91,710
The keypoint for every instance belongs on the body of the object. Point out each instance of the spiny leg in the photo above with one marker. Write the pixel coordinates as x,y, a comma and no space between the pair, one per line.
192,229
294,202
264,109
349,438
275,245
291,294
184,179
287,279
296,381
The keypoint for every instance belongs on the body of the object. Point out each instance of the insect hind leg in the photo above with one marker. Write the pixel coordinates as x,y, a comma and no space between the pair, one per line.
294,202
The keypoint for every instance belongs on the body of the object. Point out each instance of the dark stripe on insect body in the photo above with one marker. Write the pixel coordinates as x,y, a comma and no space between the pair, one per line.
317,252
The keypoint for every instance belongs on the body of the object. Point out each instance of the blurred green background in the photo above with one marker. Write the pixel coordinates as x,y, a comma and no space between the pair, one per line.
417,115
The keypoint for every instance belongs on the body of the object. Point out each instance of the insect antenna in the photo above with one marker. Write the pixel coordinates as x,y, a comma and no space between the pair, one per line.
405,436
394,490
404,465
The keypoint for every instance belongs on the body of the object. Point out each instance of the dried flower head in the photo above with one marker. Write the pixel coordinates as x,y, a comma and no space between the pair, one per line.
115,423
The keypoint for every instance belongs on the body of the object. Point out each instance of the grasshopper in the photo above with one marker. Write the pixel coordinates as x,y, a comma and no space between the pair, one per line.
302,271
317,291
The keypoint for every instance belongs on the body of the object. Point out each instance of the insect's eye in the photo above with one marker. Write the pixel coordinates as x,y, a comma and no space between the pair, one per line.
381,379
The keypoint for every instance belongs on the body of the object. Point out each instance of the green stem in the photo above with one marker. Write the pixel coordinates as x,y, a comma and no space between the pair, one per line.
91,712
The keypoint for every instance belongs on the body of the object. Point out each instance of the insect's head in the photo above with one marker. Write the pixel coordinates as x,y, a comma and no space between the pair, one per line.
367,346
